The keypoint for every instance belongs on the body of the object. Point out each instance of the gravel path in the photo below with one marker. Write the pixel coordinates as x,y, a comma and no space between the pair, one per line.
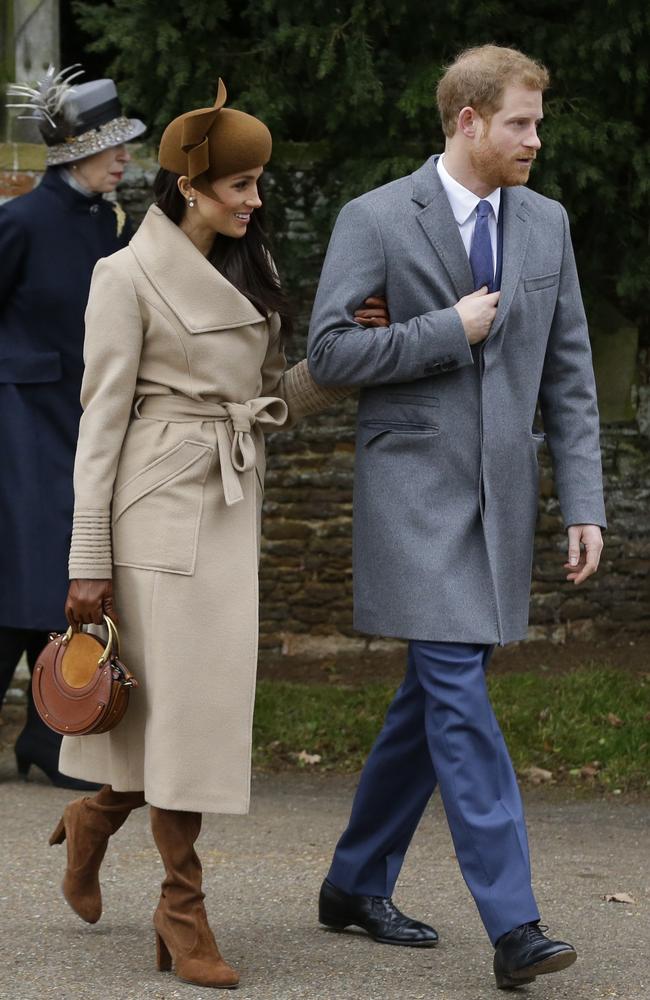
262,875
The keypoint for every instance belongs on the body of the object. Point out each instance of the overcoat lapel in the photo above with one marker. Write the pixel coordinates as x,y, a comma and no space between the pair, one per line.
202,299
516,232
440,226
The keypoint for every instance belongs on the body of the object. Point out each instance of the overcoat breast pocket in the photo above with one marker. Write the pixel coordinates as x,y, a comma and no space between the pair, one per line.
542,281
157,512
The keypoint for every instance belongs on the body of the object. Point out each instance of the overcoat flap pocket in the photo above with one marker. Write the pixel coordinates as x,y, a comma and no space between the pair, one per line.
368,430
543,281
31,368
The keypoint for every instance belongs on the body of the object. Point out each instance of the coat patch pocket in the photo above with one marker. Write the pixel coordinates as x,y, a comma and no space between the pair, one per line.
544,281
157,512
371,429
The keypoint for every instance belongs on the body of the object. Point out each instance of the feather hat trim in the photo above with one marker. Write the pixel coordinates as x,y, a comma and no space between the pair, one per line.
75,120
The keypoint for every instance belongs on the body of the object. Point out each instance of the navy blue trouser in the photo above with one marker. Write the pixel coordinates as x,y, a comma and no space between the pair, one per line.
440,730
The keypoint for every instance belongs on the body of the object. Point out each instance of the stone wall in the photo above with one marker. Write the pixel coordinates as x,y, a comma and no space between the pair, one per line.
305,575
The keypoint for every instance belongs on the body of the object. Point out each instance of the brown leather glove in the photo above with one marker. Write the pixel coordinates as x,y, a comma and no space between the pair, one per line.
375,312
88,601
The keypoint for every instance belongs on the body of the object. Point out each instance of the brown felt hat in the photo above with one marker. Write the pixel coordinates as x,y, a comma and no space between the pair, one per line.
213,142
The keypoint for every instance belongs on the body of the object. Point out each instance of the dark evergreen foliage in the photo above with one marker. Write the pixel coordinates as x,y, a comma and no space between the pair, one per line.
349,86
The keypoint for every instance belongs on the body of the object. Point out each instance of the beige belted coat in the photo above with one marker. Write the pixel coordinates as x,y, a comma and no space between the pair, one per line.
183,376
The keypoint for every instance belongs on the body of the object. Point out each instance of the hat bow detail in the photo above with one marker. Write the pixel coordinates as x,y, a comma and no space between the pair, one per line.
194,138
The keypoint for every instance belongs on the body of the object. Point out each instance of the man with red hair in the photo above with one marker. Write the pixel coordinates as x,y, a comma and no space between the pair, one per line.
487,322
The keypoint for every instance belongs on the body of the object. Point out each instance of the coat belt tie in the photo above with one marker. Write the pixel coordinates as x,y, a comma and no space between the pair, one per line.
233,424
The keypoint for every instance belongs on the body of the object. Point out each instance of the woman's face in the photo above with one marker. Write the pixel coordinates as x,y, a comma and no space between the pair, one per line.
230,215
102,172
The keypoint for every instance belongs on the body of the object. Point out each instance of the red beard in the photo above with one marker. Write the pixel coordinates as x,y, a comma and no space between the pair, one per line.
497,169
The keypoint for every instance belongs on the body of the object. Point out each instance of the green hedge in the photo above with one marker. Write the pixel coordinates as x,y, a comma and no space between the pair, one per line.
354,83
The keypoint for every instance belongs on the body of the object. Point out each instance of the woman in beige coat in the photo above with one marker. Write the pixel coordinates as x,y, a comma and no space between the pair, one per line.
185,372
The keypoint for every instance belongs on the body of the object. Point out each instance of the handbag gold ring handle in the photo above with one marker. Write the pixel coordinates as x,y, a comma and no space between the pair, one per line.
113,640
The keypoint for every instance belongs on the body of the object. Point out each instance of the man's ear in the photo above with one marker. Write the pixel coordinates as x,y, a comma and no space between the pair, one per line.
468,122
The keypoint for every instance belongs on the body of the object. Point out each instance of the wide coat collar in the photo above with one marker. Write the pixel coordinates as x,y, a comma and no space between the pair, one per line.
201,298
437,219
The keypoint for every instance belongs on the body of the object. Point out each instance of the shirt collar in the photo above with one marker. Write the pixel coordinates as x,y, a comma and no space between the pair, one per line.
53,181
463,201
72,182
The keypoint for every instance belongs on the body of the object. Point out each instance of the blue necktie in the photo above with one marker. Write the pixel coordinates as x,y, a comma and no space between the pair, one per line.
480,253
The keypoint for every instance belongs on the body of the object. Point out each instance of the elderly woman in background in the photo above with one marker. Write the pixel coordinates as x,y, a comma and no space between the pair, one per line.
50,241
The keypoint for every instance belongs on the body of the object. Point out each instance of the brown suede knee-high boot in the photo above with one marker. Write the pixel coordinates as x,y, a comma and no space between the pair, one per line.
182,930
86,825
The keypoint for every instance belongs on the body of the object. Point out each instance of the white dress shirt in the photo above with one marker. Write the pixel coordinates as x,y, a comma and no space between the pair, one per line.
463,204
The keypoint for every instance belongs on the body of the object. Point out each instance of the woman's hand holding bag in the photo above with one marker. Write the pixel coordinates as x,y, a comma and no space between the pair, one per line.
88,601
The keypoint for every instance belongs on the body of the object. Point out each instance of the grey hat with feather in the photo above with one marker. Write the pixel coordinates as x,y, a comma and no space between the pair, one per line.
75,120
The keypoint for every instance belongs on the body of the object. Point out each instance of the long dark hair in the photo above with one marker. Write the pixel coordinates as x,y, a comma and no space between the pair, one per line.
244,262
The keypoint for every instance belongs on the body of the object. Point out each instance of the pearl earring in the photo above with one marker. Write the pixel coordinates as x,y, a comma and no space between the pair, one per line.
191,202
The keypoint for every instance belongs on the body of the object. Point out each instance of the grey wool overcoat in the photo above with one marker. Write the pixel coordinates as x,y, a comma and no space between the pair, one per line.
446,482
183,375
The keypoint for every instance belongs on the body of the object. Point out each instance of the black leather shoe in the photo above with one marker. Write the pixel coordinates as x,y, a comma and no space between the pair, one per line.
526,952
377,915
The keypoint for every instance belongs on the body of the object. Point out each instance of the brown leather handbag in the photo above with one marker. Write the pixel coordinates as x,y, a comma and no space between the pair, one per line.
80,685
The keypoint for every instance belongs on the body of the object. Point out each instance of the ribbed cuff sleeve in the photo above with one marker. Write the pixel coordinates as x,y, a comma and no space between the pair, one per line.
303,396
90,549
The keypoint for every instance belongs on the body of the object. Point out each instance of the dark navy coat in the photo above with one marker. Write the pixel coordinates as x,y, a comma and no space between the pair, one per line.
50,241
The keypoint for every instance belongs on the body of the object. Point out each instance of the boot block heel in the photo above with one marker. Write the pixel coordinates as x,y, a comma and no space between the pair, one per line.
163,958
59,834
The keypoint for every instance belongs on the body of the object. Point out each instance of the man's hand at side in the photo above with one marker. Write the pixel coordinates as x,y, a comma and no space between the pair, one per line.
585,546
477,312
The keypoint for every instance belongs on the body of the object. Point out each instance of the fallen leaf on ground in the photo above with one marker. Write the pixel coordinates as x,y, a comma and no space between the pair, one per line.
614,720
537,775
308,758
618,897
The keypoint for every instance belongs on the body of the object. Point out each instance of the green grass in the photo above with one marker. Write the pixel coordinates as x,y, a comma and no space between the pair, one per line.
560,723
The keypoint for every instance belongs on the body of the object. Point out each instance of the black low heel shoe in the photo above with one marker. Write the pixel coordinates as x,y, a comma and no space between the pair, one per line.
377,915
39,746
525,953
